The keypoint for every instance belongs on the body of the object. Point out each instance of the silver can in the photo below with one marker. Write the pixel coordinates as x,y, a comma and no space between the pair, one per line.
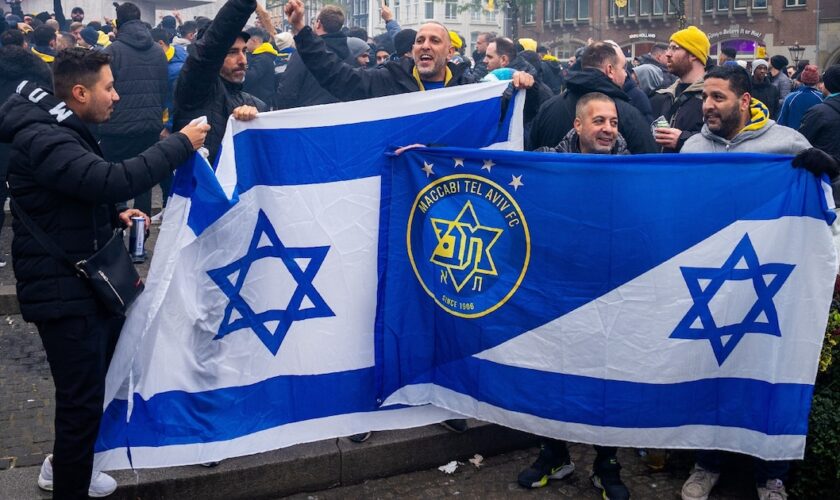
137,237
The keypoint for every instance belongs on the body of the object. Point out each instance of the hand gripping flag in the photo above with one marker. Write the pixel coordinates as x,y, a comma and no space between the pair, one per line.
674,301
256,329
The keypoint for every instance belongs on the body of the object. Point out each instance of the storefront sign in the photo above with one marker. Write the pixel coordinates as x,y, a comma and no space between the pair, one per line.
736,31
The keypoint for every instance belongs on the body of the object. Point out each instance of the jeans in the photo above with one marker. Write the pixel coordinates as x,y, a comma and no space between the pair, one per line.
762,469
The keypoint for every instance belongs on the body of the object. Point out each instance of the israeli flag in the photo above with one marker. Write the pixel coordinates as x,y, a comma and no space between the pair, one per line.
669,301
256,329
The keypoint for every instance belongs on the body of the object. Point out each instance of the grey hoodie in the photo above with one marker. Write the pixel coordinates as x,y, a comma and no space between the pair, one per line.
772,138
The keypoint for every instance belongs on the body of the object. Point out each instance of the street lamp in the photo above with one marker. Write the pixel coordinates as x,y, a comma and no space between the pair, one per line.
796,52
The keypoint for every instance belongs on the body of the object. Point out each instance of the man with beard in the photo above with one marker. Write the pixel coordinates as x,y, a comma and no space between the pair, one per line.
77,15
763,89
427,70
481,43
736,122
210,83
680,103
603,70
595,132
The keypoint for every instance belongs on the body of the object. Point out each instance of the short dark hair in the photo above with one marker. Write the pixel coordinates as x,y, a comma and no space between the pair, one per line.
161,35
658,47
542,49
331,18
729,52
489,36
505,47
77,66
12,37
587,98
43,35
738,78
358,32
257,33
69,39
188,27
95,25
598,54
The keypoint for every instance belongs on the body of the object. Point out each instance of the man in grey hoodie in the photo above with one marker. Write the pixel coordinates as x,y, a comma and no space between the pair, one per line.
736,122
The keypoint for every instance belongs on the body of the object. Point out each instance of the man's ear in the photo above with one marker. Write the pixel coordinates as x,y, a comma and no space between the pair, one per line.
80,93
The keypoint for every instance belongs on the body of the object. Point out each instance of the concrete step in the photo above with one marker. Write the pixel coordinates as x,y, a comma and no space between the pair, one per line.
302,468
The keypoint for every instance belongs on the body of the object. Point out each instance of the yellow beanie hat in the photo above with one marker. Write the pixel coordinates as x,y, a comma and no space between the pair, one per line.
694,41
455,40
528,44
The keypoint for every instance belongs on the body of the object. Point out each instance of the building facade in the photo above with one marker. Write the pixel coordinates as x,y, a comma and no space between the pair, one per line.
755,28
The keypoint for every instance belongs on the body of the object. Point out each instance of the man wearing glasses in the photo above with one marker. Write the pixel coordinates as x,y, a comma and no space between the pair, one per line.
681,104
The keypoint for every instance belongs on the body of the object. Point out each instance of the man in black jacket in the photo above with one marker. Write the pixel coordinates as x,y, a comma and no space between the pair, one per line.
602,70
142,80
58,178
821,124
429,68
259,80
297,86
763,89
211,80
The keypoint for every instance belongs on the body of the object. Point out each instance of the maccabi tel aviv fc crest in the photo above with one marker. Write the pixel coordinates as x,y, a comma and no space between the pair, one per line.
468,243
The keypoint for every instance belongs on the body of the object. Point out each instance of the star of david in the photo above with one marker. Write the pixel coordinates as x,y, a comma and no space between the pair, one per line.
463,246
762,317
257,322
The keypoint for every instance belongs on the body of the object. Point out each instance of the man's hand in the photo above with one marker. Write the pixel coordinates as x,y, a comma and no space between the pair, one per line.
667,137
245,113
817,162
177,15
260,9
294,14
385,12
522,80
125,217
196,133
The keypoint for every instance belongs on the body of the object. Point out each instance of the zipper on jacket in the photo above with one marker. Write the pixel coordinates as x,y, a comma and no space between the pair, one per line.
106,280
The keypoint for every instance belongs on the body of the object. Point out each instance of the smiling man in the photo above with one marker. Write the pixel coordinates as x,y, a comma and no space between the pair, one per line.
428,70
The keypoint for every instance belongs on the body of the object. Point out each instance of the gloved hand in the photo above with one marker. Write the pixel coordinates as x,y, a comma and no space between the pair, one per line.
817,162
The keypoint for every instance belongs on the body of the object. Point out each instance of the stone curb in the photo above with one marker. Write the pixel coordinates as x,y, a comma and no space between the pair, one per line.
306,467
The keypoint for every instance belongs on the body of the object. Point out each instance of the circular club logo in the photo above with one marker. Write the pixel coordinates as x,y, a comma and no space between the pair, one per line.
468,243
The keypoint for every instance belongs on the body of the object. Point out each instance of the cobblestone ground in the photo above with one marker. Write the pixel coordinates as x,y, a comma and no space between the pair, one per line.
496,479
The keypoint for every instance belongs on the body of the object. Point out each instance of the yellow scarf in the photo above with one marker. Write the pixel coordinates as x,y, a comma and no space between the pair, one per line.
103,40
266,47
44,57
416,75
170,52
759,116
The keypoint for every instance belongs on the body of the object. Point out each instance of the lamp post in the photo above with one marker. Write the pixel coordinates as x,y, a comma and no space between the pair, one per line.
796,52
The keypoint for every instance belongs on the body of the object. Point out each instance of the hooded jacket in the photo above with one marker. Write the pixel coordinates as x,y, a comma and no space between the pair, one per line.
760,135
58,177
140,78
684,112
557,116
297,87
668,78
259,80
201,91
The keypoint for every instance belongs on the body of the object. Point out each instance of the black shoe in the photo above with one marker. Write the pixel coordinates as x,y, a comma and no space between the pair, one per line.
360,438
548,466
456,425
607,478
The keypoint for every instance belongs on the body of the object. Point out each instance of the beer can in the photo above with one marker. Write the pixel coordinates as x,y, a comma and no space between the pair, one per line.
137,237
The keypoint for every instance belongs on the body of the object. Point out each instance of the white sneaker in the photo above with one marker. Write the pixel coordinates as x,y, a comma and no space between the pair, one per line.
101,484
699,484
774,489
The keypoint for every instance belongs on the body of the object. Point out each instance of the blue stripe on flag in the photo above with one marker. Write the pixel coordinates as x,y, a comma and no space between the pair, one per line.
726,402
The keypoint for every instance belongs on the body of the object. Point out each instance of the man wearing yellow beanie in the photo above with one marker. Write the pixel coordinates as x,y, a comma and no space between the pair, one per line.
681,104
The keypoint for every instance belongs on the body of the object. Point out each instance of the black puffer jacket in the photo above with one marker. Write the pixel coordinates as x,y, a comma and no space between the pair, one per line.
821,126
768,94
58,177
557,115
19,64
298,87
200,90
259,80
141,79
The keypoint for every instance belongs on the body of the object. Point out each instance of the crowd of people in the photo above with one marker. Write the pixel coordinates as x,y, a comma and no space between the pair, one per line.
97,113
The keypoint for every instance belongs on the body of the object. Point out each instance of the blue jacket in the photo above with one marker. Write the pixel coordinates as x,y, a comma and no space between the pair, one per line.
796,104
179,57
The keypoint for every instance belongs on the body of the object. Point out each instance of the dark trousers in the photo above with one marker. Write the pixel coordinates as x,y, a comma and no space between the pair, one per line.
603,454
119,148
79,350
762,469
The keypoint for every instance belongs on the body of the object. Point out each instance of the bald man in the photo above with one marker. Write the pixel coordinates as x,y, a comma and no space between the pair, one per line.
427,70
